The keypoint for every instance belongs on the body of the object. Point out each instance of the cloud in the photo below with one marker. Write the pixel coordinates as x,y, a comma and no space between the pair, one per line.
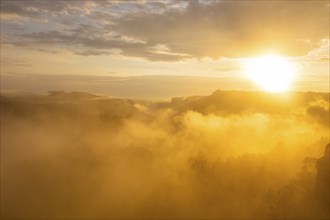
320,113
88,40
37,10
15,62
202,30
189,29
321,52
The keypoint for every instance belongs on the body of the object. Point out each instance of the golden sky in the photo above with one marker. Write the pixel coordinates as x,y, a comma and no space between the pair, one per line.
182,47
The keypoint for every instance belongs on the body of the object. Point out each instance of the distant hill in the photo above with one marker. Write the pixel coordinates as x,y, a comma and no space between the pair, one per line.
71,96
219,102
236,102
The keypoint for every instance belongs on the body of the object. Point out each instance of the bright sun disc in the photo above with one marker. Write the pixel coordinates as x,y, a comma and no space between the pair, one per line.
271,73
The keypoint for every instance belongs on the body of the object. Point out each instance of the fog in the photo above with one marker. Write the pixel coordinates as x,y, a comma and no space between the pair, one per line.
228,155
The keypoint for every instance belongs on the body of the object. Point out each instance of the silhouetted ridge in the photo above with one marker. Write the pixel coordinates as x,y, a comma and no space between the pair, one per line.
71,96
237,102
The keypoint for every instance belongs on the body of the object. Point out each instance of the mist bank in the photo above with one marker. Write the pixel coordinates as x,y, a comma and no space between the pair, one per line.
227,155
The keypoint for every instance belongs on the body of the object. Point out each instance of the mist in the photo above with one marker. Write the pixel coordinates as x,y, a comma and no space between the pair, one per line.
228,155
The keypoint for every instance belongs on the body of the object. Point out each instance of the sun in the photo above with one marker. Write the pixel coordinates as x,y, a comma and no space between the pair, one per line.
271,73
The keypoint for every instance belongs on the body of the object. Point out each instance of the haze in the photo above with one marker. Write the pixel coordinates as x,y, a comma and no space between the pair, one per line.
164,109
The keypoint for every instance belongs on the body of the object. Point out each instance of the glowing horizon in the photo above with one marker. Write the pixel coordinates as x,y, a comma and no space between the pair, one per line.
45,39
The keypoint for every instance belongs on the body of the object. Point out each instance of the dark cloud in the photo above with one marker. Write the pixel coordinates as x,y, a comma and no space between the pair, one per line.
320,113
192,29
89,40
36,9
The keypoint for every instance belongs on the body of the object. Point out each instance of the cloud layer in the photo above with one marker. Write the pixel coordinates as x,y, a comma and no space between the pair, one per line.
166,30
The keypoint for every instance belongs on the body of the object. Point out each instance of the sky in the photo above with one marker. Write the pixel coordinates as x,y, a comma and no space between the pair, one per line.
158,49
